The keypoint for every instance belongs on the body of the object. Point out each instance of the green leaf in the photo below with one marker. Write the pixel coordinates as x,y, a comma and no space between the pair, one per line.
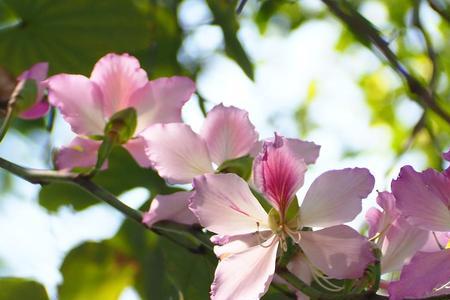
192,274
225,16
19,288
71,35
123,174
241,166
95,271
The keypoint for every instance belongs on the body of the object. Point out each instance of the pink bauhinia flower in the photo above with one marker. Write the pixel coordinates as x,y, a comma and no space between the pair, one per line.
179,154
424,199
38,73
398,240
249,239
117,82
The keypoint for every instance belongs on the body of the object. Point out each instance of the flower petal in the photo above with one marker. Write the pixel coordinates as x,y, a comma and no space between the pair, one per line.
335,197
136,147
424,198
173,207
278,173
161,100
246,275
176,152
338,251
237,243
304,149
80,102
81,153
428,274
36,111
228,133
37,72
400,243
224,204
446,155
379,221
118,77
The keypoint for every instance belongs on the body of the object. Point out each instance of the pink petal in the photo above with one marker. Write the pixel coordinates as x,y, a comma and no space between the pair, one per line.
136,147
37,111
238,243
80,102
335,197
176,152
37,72
278,173
424,198
306,150
81,153
224,204
436,241
246,275
400,243
380,221
173,207
428,274
228,133
338,251
446,155
118,77
161,100
300,267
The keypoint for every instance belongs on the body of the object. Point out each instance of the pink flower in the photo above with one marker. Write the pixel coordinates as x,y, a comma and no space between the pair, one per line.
179,154
424,200
398,240
427,275
249,238
37,72
117,82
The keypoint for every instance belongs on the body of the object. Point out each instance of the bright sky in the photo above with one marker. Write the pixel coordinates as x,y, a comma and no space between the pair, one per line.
33,243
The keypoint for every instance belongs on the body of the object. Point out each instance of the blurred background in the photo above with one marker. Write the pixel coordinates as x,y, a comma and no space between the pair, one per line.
297,68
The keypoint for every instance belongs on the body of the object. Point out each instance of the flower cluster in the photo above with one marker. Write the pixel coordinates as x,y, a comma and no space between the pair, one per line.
243,189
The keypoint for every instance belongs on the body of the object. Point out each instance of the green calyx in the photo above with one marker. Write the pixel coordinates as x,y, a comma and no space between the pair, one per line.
24,95
241,166
122,125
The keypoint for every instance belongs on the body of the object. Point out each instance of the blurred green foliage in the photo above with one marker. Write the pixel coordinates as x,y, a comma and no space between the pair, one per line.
17,288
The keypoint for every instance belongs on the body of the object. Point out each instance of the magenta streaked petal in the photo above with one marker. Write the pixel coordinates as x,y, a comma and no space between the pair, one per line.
428,274
436,241
446,155
172,207
136,147
335,197
118,77
161,100
176,152
338,251
228,133
37,111
379,221
81,153
224,204
278,173
256,267
374,219
80,102
424,198
37,72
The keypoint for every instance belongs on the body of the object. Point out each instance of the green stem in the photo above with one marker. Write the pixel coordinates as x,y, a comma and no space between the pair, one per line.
6,121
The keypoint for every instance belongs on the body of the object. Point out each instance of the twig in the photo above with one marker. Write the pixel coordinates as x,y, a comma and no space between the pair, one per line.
443,13
362,28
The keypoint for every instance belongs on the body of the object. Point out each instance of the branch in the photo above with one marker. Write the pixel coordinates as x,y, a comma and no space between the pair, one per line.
43,177
441,11
371,37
